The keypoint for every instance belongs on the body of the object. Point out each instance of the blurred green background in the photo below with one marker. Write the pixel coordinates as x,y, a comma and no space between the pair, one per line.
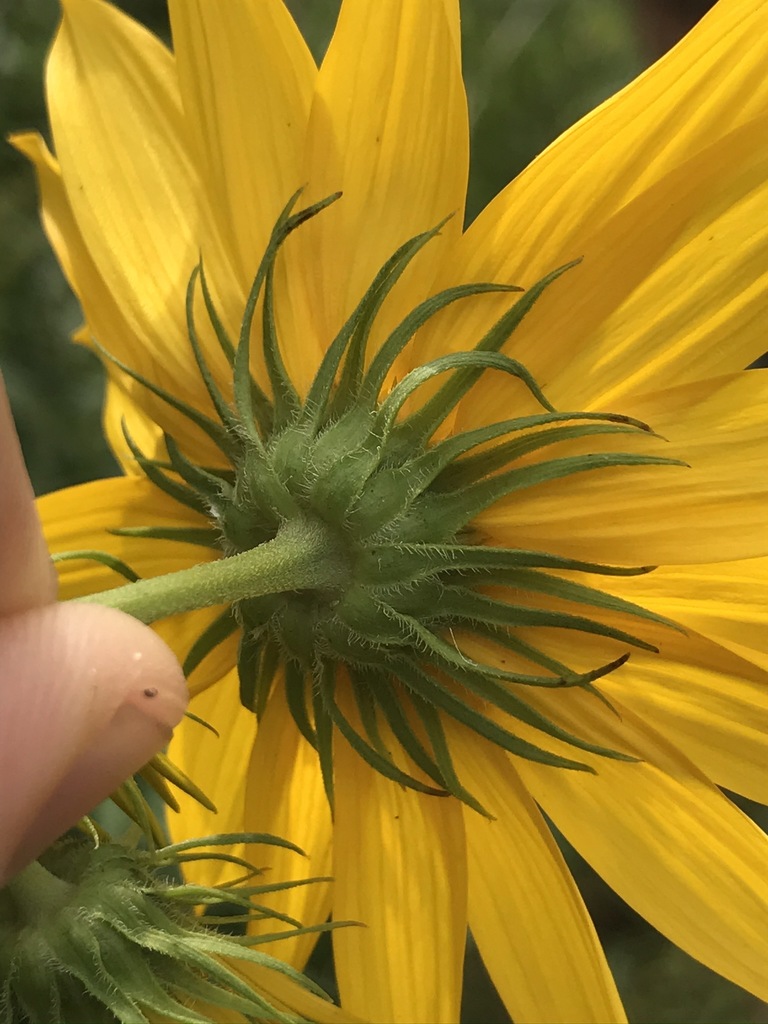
532,68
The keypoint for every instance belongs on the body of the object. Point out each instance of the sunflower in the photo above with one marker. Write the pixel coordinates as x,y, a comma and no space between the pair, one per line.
491,501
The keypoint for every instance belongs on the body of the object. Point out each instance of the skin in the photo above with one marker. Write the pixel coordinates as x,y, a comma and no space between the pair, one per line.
87,693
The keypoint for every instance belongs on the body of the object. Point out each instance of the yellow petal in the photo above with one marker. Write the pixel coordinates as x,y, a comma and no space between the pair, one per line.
55,212
217,765
120,409
246,79
727,602
651,515
453,18
248,153
698,313
109,83
399,865
534,933
664,837
708,702
670,288
81,518
388,128
709,85
106,319
285,796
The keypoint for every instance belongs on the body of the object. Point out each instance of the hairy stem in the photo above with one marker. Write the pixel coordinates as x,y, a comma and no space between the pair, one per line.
304,555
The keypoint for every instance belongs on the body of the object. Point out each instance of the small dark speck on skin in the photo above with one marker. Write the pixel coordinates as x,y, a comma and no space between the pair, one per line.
150,691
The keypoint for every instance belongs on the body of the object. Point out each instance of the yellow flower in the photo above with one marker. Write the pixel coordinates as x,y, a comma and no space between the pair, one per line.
661,196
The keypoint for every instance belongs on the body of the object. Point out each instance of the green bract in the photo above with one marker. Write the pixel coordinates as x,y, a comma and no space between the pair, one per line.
93,932
371,520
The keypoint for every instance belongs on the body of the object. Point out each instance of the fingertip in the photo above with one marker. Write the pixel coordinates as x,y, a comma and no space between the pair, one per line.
87,696
135,666
26,570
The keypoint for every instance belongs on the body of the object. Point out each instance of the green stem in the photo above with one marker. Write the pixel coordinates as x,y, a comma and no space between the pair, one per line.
34,893
304,555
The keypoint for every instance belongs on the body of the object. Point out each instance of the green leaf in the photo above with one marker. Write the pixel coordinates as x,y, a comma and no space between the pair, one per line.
286,401
324,680
434,727
242,369
261,405
390,703
207,485
153,778
474,467
227,839
480,679
568,590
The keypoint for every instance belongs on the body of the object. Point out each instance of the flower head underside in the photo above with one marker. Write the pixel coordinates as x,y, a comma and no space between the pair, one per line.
397,566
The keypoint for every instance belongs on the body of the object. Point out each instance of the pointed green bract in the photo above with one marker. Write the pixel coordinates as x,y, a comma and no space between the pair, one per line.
168,770
296,698
477,360
103,557
324,676
203,536
153,778
356,331
381,762
403,334
215,432
224,412
332,393
218,631
424,422
156,473
100,933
